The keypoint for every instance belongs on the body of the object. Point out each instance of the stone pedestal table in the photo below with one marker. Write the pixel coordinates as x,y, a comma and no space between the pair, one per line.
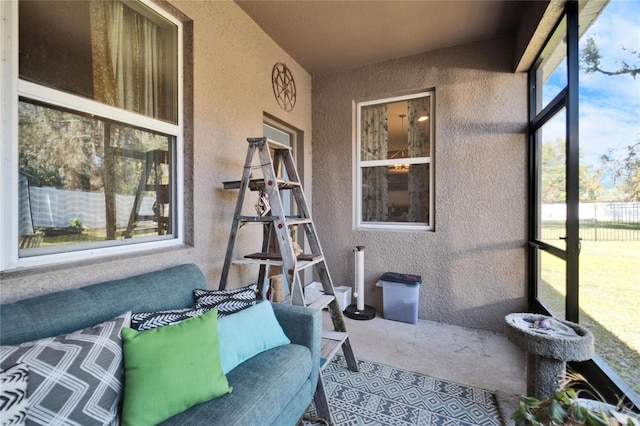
549,343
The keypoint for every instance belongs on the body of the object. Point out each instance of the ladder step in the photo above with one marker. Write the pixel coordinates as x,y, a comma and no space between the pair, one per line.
299,221
276,256
258,184
322,302
331,343
300,265
291,221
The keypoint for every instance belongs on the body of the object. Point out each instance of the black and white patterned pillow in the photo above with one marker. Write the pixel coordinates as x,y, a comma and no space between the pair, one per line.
227,301
74,378
147,320
13,395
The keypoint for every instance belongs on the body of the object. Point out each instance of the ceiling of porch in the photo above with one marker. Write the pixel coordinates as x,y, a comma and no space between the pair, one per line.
326,36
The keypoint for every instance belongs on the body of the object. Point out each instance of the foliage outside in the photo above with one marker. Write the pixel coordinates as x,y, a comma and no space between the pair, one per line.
616,180
617,177
566,408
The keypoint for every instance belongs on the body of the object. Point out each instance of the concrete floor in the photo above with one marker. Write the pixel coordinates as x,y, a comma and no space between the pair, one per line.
473,357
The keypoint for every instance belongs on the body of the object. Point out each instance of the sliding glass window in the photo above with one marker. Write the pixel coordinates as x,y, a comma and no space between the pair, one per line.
93,124
585,184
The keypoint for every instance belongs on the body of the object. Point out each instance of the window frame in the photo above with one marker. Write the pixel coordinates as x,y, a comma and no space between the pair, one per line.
359,164
596,370
12,88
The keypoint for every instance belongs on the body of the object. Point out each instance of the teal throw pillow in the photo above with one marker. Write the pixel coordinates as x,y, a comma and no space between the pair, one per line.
247,333
170,369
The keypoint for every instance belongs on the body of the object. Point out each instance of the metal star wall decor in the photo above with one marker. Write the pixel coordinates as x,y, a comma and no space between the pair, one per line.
284,88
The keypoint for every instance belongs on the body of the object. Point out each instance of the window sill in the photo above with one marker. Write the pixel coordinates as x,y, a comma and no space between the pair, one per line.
394,227
22,269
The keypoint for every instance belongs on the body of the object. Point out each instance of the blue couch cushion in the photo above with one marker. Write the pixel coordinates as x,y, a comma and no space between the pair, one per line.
270,379
247,333
30,319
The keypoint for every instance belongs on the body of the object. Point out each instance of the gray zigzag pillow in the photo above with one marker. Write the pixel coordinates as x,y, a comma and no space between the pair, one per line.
147,320
13,395
74,378
227,301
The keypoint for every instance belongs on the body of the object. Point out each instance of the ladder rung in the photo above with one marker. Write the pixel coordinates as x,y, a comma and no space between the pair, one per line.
322,302
300,265
291,221
257,219
258,184
275,256
233,184
246,261
287,184
307,263
153,187
331,343
298,221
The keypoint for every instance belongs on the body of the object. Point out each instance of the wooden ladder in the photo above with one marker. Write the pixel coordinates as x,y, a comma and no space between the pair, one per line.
279,226
153,162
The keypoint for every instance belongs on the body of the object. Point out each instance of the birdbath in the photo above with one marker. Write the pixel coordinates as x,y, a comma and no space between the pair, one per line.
550,343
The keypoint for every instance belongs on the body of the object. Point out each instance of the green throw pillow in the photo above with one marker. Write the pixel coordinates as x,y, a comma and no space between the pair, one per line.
170,369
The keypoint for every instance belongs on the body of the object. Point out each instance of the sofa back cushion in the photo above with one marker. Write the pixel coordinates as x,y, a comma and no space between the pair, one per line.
70,310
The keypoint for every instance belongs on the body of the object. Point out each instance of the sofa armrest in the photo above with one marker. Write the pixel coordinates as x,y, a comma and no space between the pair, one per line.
303,326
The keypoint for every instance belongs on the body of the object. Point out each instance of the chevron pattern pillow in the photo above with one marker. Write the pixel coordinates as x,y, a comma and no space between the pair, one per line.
147,320
74,378
13,395
227,301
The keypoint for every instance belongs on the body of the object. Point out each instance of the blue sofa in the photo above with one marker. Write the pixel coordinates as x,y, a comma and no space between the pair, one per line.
274,387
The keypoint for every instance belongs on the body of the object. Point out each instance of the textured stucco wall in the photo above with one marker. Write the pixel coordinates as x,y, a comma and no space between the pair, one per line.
233,59
473,265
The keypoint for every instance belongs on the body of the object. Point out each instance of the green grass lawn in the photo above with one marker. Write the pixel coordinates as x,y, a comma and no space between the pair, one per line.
609,300
90,236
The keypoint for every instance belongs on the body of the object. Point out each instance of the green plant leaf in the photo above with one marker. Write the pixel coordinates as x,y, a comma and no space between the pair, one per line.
591,419
556,412
530,401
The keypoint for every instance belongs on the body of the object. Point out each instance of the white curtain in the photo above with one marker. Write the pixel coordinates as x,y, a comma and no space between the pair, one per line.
374,146
126,74
127,63
419,146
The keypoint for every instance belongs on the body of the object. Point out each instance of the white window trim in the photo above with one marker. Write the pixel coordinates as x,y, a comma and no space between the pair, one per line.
10,90
358,164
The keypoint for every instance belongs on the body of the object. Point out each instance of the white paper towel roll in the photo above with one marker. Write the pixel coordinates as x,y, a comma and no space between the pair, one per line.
359,279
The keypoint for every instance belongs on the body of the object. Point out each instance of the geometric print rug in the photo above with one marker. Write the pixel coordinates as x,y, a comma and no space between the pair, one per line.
383,395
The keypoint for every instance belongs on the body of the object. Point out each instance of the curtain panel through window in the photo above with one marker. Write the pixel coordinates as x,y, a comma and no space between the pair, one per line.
418,133
374,146
128,65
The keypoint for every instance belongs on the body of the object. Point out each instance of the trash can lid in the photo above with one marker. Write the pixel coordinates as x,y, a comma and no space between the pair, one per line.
396,277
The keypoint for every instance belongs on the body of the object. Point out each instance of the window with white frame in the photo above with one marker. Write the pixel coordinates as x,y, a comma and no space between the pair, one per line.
394,167
93,128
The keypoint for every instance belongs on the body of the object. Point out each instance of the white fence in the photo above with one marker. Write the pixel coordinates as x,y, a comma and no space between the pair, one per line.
598,221
604,212
44,207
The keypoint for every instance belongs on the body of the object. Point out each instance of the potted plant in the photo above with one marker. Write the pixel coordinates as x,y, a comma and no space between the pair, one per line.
76,225
567,408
